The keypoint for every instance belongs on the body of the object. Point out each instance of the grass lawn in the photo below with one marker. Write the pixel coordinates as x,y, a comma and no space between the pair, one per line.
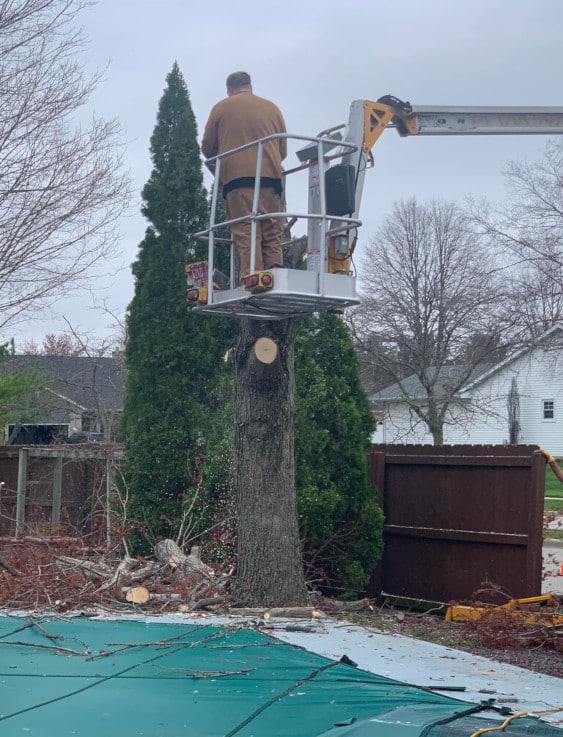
553,487
553,492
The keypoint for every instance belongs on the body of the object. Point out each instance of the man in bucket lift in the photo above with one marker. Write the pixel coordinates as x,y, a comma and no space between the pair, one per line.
241,118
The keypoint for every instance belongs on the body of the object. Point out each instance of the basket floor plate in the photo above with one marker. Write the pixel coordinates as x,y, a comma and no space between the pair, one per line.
294,293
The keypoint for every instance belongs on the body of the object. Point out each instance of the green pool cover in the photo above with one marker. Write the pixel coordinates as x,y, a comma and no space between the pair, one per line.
129,678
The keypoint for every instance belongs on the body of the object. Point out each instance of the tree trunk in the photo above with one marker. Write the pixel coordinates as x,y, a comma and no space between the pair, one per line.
513,409
437,435
270,567
435,421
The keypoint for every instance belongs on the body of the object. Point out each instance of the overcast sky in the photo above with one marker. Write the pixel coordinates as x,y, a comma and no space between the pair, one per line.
313,59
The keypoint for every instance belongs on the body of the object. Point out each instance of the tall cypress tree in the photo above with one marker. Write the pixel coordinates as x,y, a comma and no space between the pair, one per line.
173,356
340,520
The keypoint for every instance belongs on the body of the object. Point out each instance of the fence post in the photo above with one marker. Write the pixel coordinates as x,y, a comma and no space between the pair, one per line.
22,483
57,491
108,501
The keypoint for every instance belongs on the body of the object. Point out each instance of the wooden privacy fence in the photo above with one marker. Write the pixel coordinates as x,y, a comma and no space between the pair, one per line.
57,489
457,517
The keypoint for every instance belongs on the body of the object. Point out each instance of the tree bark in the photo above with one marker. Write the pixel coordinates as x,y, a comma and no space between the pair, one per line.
269,568
437,434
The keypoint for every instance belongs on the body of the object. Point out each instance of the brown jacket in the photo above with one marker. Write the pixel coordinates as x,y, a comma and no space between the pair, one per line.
240,119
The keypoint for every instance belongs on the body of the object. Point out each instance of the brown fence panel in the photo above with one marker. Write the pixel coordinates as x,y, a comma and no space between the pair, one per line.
9,477
457,517
81,508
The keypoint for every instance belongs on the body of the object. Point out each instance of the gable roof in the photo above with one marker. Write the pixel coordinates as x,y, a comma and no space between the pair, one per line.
495,368
83,381
412,387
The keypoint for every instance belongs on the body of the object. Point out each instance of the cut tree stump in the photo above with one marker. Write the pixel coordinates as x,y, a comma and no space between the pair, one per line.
266,350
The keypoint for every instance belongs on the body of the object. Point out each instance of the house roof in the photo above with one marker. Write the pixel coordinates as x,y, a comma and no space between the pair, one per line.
412,387
85,382
495,368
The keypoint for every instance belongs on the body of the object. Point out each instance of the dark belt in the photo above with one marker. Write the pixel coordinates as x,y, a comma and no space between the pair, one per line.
275,184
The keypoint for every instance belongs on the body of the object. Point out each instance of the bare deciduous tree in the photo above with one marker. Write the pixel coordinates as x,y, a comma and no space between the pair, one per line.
538,297
61,183
430,286
532,222
53,345
529,227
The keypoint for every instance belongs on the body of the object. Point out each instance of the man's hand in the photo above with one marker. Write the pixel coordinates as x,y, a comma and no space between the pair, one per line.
546,454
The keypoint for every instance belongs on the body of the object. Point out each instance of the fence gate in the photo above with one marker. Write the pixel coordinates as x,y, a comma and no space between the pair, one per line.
457,517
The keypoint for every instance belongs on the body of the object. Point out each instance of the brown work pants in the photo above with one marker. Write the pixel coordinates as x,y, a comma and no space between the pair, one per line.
238,203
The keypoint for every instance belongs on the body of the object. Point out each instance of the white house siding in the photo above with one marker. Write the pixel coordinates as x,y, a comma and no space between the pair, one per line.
483,426
542,380
401,426
539,376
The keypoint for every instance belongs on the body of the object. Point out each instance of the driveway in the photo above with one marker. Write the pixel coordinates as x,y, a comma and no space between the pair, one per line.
552,581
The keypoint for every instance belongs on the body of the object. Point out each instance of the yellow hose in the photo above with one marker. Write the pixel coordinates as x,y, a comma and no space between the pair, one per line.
514,716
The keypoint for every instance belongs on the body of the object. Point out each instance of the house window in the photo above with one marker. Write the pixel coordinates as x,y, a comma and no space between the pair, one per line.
548,409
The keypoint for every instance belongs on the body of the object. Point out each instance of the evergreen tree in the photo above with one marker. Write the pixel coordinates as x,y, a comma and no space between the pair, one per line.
18,389
173,355
340,520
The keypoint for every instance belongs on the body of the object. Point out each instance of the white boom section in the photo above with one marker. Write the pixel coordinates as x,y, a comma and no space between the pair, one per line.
367,120
458,121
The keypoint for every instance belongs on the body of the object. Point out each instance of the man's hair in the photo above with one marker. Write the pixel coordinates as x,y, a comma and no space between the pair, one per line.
236,80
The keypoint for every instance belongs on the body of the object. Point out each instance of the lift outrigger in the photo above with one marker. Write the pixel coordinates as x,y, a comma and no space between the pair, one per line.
336,161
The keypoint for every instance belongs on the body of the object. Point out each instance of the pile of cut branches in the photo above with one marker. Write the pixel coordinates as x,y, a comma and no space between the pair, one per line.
61,574
524,623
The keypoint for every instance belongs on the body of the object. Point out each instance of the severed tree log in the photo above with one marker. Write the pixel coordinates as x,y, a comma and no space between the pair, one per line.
130,592
101,570
169,553
49,541
126,566
138,595
149,569
349,606
294,611
211,602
